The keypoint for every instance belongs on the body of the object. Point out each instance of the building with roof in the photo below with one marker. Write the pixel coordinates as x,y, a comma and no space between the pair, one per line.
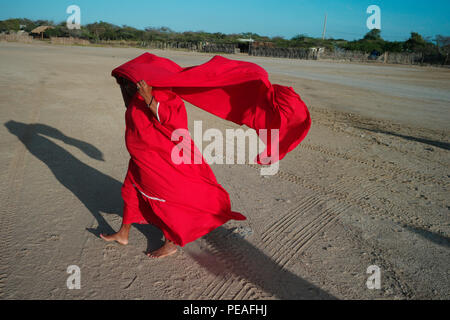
40,31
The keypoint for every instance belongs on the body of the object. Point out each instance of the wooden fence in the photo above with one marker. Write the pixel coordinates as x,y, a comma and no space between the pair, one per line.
218,48
69,41
16,37
254,50
351,56
291,53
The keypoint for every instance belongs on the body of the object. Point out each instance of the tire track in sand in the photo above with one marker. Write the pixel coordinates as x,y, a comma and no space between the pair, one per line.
234,259
300,235
381,165
394,212
294,231
10,194
358,123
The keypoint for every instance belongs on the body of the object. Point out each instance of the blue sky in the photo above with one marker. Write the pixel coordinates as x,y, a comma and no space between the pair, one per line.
346,18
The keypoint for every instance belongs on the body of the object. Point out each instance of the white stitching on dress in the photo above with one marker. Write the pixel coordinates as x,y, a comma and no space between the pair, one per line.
153,198
157,113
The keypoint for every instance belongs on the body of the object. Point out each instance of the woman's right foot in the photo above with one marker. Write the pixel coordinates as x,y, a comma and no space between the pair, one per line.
118,237
167,249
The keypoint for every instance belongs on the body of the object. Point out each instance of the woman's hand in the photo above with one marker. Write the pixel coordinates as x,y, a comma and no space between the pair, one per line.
145,91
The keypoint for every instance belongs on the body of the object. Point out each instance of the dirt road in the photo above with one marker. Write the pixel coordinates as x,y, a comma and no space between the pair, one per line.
368,186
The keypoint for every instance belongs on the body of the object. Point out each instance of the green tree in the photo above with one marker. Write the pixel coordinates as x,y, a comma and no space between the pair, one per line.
443,44
299,37
374,34
416,43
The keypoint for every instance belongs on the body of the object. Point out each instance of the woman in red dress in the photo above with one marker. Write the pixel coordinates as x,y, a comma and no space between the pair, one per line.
183,200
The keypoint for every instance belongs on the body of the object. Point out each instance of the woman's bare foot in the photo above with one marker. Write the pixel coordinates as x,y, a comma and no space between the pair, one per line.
167,249
120,237
115,237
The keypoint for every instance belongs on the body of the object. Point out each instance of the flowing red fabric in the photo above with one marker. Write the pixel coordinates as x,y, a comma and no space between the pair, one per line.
185,200
237,91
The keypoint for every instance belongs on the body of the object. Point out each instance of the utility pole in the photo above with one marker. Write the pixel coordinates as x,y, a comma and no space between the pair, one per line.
324,27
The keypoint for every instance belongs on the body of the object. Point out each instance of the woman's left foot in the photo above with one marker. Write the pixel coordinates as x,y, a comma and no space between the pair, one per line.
167,249
118,237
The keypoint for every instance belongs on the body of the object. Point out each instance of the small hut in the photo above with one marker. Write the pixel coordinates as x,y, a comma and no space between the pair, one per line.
244,45
40,31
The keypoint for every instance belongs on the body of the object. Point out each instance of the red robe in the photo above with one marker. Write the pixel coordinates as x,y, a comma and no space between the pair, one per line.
185,200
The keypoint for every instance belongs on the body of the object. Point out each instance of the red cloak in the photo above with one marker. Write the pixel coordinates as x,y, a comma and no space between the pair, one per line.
185,200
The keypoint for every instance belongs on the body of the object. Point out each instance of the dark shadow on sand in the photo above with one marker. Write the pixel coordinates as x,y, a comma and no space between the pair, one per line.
97,191
101,193
430,236
434,143
227,254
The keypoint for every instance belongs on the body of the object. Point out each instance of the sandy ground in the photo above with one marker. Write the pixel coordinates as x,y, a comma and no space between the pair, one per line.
368,186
